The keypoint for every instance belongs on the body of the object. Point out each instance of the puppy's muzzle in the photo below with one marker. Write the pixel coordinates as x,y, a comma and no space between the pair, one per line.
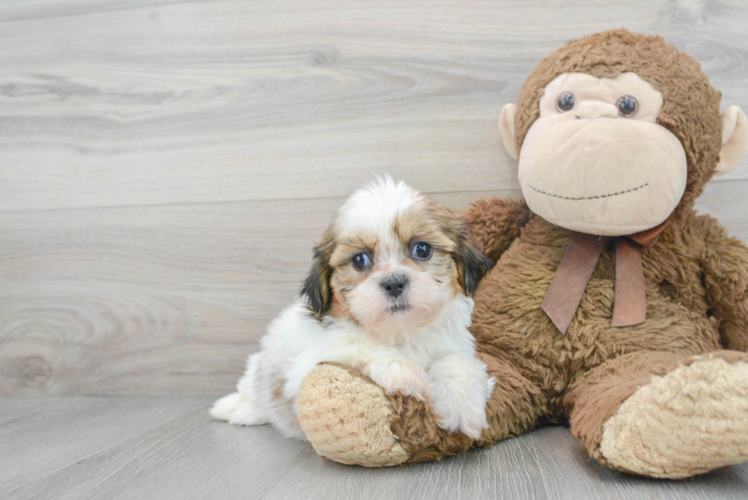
394,286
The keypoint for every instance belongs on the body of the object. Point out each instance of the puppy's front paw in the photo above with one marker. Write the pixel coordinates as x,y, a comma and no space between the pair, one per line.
460,389
396,375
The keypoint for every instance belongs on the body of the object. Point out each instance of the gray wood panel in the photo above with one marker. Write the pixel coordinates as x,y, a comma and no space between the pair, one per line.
182,102
171,449
41,436
165,166
150,299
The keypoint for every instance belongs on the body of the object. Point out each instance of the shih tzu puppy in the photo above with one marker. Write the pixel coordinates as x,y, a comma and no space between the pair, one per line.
388,294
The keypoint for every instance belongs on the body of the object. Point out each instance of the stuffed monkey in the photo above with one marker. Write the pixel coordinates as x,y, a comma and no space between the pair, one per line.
612,304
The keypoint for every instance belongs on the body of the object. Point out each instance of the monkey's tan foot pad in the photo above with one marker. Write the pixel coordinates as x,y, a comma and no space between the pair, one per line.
690,421
346,418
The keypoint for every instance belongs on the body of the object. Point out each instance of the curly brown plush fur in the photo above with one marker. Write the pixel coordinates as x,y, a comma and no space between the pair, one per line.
697,306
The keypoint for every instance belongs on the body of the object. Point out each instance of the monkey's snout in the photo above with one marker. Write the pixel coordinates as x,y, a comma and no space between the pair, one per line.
589,109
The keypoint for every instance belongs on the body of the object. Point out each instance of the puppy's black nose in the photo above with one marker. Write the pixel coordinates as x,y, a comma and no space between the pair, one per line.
394,286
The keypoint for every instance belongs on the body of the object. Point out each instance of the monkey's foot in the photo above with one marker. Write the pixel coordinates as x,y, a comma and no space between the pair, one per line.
346,418
689,421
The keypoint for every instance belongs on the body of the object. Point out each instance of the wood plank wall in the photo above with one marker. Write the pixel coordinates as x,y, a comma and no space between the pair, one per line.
165,166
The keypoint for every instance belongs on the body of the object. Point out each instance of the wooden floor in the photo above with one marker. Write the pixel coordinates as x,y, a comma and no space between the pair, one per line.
163,448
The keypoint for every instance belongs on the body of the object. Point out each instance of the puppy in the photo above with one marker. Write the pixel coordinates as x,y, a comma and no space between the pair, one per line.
389,294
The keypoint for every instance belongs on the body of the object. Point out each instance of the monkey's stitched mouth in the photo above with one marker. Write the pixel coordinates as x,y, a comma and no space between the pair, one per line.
589,197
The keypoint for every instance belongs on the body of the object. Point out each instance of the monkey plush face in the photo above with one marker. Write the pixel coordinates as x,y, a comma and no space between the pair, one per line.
596,161
618,132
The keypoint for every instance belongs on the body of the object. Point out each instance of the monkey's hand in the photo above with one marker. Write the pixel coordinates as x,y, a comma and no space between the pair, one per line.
495,223
725,267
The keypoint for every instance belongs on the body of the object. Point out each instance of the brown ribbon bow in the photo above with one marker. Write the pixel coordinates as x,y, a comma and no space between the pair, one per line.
577,266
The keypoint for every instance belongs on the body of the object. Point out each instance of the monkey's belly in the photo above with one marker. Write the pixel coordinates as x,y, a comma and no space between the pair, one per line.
509,323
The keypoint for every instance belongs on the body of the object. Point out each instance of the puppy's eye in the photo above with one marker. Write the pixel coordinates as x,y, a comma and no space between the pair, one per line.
360,261
421,251
627,106
565,101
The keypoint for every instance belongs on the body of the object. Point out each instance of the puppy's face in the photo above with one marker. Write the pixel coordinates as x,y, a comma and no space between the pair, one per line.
392,260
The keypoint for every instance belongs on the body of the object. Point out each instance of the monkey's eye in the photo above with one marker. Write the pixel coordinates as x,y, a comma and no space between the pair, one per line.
360,261
627,106
421,251
565,101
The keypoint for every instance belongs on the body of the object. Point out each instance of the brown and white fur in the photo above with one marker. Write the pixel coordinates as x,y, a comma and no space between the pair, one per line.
401,319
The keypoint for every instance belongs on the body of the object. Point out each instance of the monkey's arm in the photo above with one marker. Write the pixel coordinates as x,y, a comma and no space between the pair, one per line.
725,267
494,224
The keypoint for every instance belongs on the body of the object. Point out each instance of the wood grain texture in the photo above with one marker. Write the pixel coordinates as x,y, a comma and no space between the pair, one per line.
170,449
41,436
152,299
181,102
165,166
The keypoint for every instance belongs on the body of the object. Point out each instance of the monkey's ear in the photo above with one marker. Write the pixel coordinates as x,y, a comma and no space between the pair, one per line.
734,140
472,265
316,287
506,128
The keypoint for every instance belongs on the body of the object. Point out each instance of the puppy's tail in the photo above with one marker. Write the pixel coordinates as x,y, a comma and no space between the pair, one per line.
241,407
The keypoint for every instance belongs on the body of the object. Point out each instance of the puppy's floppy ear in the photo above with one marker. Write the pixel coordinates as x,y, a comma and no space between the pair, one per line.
316,287
472,264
